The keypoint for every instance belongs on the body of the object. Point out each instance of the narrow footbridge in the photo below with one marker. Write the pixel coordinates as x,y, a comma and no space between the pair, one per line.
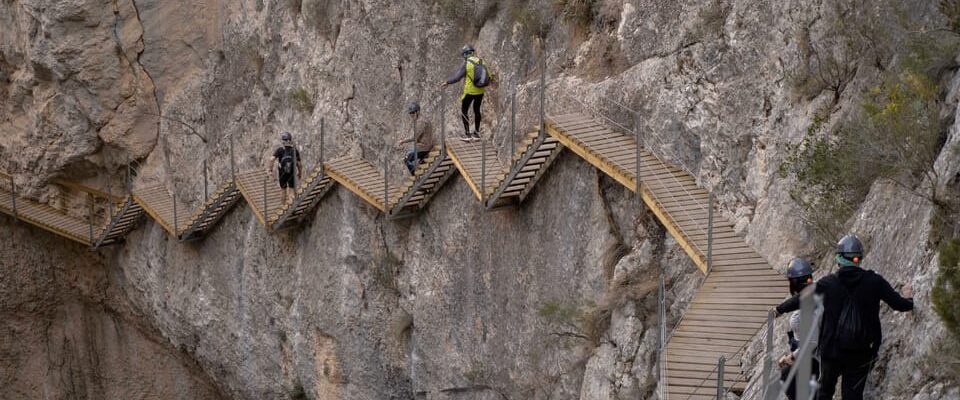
722,318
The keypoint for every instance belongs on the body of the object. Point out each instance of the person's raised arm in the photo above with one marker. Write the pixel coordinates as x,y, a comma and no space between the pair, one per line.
894,299
461,73
791,304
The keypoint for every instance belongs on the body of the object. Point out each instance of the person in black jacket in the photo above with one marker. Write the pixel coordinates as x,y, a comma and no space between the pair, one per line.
850,332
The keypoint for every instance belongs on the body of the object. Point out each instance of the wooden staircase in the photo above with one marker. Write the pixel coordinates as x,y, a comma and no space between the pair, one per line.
217,205
125,217
528,165
426,181
312,189
732,304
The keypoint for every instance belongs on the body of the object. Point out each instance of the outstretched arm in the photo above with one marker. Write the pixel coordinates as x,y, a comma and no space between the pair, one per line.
461,73
791,304
894,299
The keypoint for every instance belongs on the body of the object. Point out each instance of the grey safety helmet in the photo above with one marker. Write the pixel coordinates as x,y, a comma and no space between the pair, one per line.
849,251
413,107
467,50
798,268
286,136
799,274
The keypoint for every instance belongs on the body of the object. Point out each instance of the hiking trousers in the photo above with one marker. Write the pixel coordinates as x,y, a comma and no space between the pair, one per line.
854,370
471,99
412,160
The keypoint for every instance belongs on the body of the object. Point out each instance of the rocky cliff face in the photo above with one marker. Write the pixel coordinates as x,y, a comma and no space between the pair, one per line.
553,299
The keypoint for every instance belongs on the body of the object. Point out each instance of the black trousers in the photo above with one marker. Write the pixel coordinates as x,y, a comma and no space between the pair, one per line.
476,100
792,385
854,370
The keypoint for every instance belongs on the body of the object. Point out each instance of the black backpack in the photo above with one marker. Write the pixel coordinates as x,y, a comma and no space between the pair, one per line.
481,78
286,162
851,334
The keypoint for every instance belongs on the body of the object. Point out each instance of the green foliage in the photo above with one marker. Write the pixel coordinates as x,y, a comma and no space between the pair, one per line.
951,10
588,322
895,135
302,100
580,12
945,294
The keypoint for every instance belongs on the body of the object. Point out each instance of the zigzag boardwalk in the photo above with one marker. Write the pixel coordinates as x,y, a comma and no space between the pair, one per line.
45,216
729,309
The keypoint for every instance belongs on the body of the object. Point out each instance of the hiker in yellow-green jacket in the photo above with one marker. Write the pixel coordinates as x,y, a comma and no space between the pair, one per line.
475,77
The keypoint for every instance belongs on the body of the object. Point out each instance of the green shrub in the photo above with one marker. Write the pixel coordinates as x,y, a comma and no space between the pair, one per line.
951,10
302,100
896,135
580,12
945,294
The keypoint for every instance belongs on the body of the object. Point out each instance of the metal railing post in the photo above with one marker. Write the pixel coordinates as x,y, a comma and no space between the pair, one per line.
483,171
636,129
13,199
206,192
721,393
543,90
443,123
710,234
90,217
176,222
129,181
323,170
386,182
416,156
109,200
233,162
661,356
266,205
768,356
513,122
803,361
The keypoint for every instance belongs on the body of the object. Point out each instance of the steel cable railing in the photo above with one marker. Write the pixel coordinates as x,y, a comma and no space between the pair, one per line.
659,179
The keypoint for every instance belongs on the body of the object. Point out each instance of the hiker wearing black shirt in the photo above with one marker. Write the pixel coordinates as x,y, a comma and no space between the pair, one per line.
850,332
289,169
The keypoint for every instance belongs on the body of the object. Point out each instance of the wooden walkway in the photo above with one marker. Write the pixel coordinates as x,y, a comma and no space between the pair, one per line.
733,302
361,177
160,205
45,217
261,191
478,164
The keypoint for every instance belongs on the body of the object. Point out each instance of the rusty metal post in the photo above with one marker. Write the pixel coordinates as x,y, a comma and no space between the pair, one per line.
768,356
109,200
386,180
416,156
233,162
